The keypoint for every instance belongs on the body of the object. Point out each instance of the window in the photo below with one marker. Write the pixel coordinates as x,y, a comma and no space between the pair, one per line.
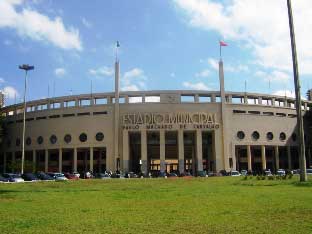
99,136
255,135
40,140
270,136
9,143
240,135
67,138
53,139
83,137
18,142
28,141
282,136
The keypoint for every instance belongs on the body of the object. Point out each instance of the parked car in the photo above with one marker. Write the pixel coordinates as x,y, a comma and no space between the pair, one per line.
234,173
102,176
13,177
244,172
201,174
309,171
172,175
77,174
30,177
2,179
44,176
186,175
280,172
71,176
57,176
131,175
268,173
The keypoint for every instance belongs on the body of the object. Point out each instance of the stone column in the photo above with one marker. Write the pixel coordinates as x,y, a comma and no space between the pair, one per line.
162,150
276,154
60,162
34,160
144,151
289,156
46,161
125,150
4,162
199,150
181,150
263,159
75,160
91,159
249,158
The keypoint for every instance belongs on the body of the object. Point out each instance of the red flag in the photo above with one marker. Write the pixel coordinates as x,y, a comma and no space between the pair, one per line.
222,43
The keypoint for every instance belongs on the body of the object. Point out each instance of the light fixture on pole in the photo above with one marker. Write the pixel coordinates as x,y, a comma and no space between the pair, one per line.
302,158
26,68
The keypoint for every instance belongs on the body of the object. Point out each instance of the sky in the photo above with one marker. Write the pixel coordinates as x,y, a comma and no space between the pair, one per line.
164,45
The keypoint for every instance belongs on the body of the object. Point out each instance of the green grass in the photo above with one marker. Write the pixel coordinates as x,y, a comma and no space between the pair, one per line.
199,205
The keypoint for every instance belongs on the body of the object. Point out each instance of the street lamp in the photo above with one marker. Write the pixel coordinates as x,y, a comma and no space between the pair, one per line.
26,68
302,159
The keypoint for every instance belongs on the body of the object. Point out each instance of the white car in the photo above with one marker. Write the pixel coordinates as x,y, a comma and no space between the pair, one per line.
281,172
13,177
235,173
244,172
76,174
309,171
57,176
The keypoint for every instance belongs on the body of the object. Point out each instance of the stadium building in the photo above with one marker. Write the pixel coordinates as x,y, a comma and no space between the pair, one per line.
151,131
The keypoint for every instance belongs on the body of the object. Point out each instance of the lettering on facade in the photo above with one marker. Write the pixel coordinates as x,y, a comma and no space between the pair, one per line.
185,120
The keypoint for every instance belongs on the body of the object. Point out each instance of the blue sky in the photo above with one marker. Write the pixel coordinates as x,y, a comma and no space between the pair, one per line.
165,44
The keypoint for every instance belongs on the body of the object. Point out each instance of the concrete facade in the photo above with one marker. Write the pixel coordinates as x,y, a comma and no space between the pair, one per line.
157,130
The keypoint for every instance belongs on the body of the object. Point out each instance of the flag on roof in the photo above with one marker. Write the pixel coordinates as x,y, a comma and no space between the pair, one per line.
222,43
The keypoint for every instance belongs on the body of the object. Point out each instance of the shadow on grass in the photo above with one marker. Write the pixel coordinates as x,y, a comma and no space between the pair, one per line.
303,184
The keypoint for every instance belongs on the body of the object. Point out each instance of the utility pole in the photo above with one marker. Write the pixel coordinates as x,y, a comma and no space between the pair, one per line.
302,158
26,68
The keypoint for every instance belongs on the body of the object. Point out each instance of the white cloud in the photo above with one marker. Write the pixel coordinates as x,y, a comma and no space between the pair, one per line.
204,73
130,87
86,23
267,37
196,86
287,93
134,73
10,92
274,76
133,80
36,26
214,64
102,71
60,72
2,80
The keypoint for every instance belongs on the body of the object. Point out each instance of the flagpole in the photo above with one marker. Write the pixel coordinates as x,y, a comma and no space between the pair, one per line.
220,51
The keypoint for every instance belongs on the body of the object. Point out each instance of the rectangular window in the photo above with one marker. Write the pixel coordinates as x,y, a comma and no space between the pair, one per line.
204,99
68,115
100,113
70,103
187,98
152,99
135,99
100,101
84,102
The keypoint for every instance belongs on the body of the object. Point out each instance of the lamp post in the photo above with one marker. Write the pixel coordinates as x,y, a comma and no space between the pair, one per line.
26,68
302,158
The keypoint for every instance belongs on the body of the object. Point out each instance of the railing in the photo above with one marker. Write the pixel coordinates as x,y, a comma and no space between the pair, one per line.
179,96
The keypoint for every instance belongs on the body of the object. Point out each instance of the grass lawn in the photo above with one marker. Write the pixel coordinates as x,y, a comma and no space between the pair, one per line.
199,205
